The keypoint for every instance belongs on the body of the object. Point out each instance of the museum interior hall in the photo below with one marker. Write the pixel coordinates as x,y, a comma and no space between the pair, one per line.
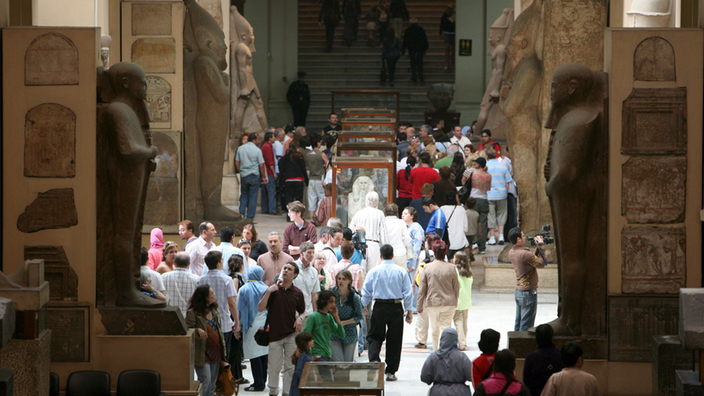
157,154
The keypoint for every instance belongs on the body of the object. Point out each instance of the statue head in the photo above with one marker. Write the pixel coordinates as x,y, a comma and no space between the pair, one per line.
209,37
498,30
571,86
128,79
523,38
440,97
245,31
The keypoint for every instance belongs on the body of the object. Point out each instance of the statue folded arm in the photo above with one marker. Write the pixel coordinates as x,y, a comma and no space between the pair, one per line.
218,83
570,152
131,145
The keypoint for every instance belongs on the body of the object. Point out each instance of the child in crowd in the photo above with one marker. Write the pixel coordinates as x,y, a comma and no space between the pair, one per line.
472,228
464,301
304,342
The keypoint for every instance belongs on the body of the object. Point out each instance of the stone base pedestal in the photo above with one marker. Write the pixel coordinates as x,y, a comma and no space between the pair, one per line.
668,357
501,277
143,321
30,360
522,343
688,383
172,356
448,120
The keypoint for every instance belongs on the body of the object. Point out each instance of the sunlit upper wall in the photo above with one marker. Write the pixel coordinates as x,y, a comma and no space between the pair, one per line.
70,13
623,13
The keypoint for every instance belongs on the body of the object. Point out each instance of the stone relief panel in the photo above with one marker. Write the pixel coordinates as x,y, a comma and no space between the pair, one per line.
155,55
653,260
159,101
50,141
633,321
163,192
51,59
70,332
52,209
654,60
655,121
653,189
63,280
151,19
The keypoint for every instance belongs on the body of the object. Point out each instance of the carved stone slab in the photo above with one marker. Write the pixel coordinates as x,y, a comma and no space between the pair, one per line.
653,189
151,19
63,280
691,328
653,260
162,205
51,59
142,321
50,141
654,60
70,330
7,320
655,121
633,321
668,356
52,209
159,101
155,55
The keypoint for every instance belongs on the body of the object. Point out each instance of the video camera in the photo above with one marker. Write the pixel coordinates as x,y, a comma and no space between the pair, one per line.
360,242
547,237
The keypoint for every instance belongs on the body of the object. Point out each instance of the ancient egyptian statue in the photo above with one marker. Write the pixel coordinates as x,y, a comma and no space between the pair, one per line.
126,160
204,64
361,186
440,96
576,171
498,37
519,101
247,101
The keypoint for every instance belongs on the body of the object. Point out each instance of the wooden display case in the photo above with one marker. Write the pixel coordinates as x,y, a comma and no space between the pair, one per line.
354,177
342,378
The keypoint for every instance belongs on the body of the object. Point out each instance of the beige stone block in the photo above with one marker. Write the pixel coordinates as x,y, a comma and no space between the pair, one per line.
30,360
151,19
29,298
155,55
51,59
50,141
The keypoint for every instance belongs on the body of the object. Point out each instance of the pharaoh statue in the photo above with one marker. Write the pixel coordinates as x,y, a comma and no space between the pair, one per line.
126,161
105,43
519,101
247,102
440,96
576,173
204,77
361,186
489,115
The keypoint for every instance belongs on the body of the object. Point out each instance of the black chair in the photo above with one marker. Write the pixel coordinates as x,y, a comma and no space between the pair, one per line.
139,383
88,383
53,384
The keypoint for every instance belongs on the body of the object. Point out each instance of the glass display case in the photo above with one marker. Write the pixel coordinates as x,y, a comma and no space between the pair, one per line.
341,378
368,112
374,149
354,177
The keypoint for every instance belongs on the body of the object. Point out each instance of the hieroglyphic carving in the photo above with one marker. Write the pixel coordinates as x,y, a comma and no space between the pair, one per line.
654,60
668,356
50,141
162,205
151,19
52,209
655,121
159,99
653,189
63,280
69,333
653,260
155,55
51,59
633,321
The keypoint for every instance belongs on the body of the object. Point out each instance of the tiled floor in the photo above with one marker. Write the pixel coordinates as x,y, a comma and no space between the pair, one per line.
494,311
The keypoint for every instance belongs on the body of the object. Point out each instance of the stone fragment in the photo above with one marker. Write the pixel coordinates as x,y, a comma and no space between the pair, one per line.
62,278
7,320
653,260
654,60
159,99
30,360
653,189
52,209
691,323
655,121
69,333
668,356
633,321
151,19
143,321
50,141
155,55
51,59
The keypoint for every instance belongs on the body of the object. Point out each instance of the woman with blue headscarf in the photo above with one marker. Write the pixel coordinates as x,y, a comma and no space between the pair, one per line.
447,368
251,320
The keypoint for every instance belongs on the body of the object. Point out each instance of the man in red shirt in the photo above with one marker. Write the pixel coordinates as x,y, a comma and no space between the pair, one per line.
487,142
269,189
422,174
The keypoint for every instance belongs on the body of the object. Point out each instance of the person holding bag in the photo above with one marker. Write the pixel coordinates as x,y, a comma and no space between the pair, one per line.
203,316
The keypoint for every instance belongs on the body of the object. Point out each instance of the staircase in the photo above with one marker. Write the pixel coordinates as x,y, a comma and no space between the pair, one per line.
358,66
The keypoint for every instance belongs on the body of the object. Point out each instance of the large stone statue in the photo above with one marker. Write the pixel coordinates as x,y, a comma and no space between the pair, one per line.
247,105
519,101
498,37
576,174
207,95
125,162
361,186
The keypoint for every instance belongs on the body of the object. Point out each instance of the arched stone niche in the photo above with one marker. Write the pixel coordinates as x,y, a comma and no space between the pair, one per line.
50,141
654,60
51,59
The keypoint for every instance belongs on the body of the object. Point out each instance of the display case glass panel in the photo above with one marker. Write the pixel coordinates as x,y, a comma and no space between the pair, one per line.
373,149
326,378
368,112
354,177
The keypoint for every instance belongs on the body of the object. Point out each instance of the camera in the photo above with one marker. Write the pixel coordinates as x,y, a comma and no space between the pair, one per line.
359,241
547,237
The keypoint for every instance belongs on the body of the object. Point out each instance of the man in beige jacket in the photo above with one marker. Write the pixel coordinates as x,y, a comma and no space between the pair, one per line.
438,292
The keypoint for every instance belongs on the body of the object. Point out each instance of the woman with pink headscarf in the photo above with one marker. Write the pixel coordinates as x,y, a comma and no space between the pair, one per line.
156,250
